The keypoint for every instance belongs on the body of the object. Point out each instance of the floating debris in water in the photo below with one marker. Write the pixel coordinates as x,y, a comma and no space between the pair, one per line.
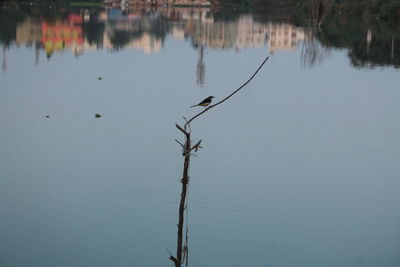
100,78
47,116
97,115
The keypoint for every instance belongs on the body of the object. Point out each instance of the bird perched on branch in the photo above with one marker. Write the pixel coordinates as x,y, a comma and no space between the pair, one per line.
205,102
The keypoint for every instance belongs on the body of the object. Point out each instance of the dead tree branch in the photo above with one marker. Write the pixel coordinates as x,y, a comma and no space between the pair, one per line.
187,134
182,250
229,96
197,146
187,124
179,143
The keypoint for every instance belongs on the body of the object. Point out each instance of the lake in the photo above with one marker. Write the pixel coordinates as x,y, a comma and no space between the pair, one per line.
299,168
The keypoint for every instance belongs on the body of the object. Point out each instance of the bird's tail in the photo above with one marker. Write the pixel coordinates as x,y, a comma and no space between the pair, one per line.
193,106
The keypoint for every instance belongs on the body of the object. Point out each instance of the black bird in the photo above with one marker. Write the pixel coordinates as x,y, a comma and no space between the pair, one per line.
205,102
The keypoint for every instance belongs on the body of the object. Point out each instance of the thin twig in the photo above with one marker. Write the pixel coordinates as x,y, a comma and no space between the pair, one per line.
229,96
169,252
182,130
172,258
179,143
188,124
196,146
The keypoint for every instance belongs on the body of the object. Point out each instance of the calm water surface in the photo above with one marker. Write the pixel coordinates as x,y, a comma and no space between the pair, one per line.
301,168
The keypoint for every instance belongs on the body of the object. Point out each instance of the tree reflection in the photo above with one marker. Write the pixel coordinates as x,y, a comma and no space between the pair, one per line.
9,19
317,11
94,29
370,43
313,51
119,39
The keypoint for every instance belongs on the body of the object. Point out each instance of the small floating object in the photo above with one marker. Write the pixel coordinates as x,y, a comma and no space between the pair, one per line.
100,78
47,116
97,115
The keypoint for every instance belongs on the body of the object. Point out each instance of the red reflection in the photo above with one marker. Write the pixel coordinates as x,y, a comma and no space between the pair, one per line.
60,34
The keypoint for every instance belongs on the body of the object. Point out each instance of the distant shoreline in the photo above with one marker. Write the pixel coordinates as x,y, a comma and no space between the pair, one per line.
378,9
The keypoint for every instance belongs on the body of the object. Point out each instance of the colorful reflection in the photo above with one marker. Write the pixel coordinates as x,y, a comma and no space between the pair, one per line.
146,29
62,34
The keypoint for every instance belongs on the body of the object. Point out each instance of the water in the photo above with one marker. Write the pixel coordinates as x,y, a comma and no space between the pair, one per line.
300,168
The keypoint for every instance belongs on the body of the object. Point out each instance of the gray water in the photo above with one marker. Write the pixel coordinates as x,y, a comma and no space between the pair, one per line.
300,168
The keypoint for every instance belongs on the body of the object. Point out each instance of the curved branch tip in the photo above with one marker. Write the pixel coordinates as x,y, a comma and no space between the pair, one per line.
229,96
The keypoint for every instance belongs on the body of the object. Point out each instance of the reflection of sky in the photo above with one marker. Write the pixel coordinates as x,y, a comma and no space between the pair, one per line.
300,168
116,14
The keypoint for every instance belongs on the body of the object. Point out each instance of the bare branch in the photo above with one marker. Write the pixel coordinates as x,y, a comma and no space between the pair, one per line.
169,252
182,251
172,258
179,143
197,146
182,130
229,96
187,124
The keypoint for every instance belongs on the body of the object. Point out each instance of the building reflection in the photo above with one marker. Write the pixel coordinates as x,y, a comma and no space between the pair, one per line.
28,32
55,36
146,30
283,36
60,35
